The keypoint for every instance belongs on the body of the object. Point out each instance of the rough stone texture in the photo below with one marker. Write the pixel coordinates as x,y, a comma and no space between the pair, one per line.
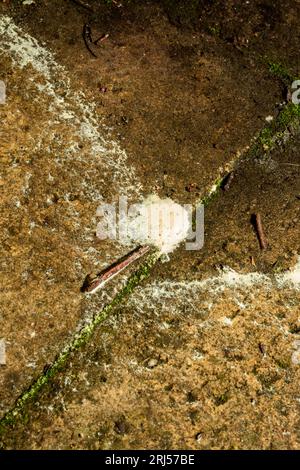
195,358
220,372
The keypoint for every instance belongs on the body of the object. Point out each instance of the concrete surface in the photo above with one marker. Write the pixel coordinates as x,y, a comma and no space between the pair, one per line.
205,353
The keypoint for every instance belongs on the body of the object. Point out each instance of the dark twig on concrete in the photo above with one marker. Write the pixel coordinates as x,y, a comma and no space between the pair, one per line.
260,231
228,180
91,285
87,37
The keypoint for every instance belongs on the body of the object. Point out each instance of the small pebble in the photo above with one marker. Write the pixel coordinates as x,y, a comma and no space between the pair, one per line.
152,363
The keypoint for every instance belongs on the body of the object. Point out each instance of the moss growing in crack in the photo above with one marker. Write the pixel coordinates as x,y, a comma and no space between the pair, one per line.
283,363
214,30
271,135
288,115
214,192
222,399
265,137
279,71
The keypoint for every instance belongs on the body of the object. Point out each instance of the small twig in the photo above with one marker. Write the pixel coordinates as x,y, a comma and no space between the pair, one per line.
228,181
101,38
260,232
88,40
87,37
91,285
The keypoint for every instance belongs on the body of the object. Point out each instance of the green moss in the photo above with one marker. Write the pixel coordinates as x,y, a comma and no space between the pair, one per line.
265,136
272,134
279,71
214,30
222,399
206,200
278,267
288,114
